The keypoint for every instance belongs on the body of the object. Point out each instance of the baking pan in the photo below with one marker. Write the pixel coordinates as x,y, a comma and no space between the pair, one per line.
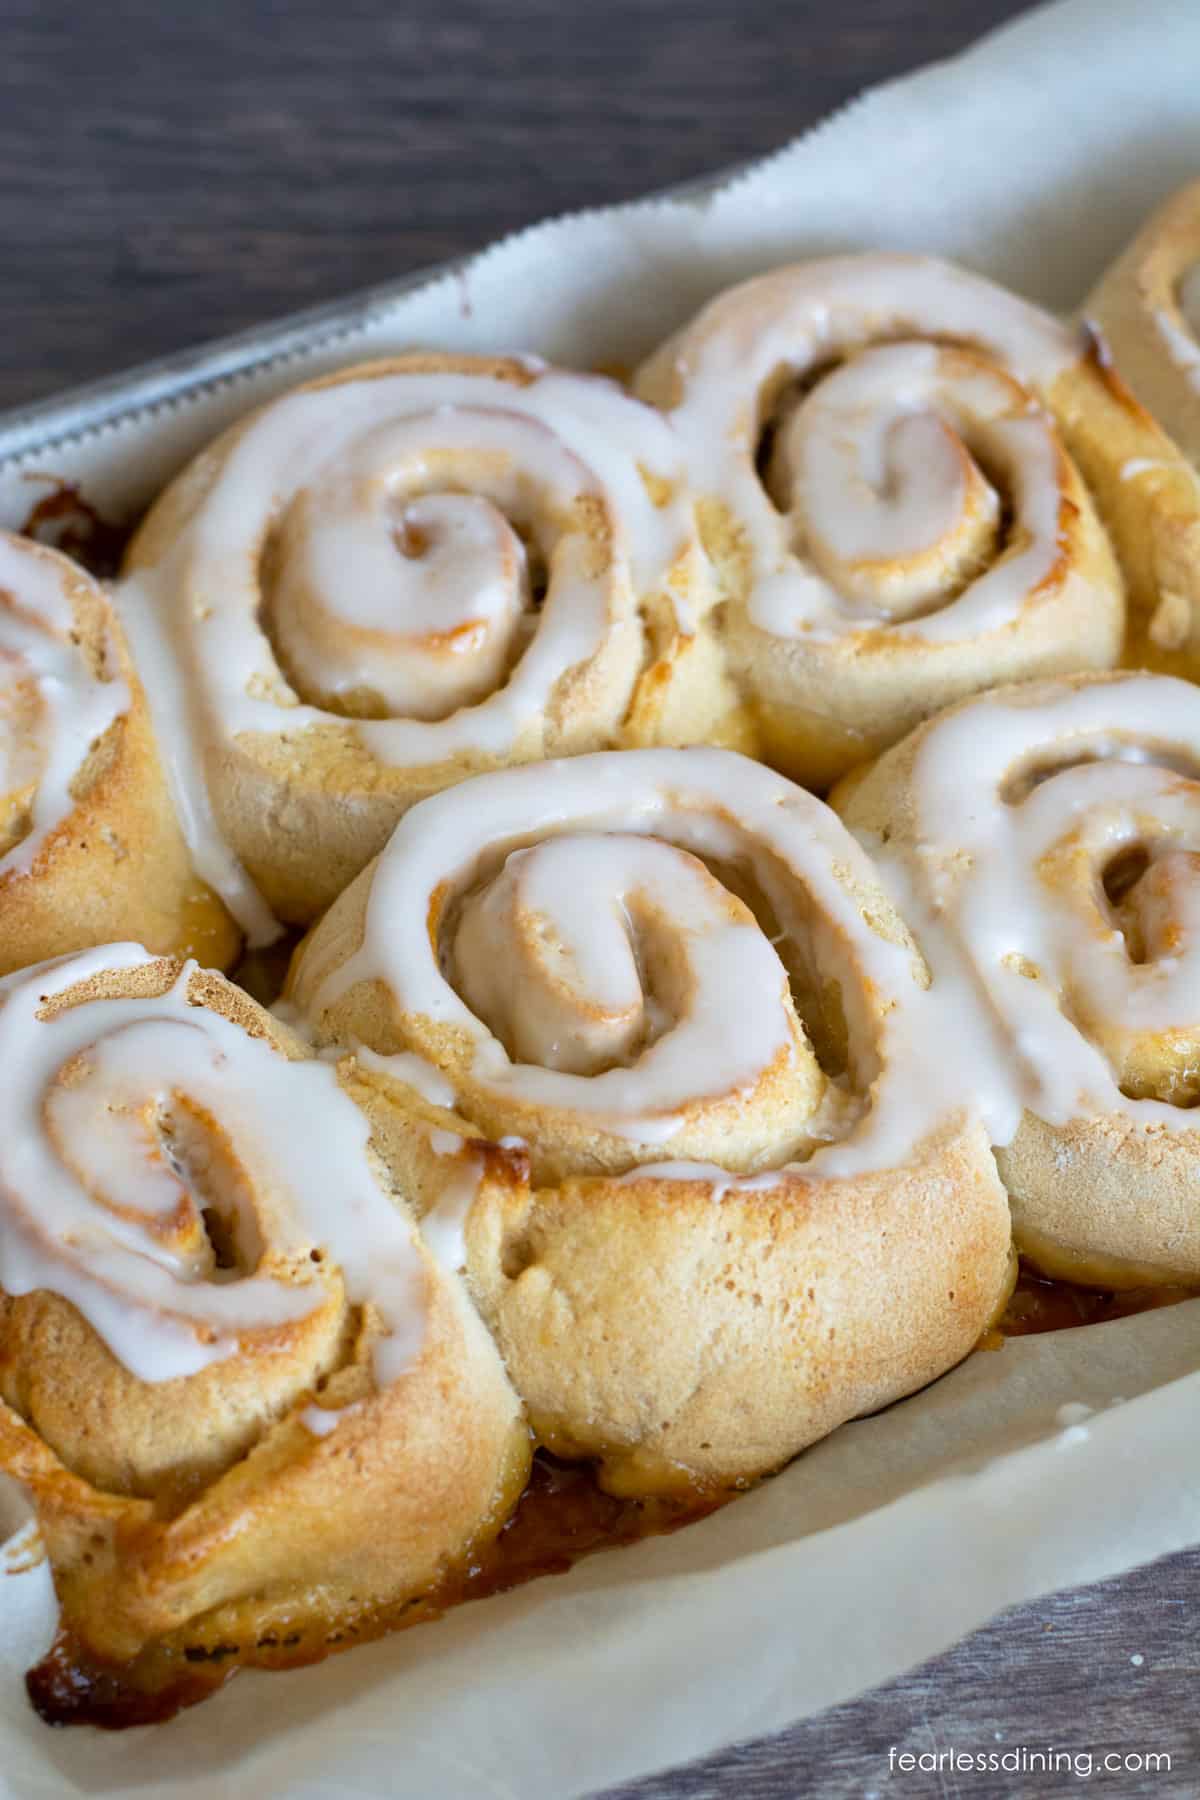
264,352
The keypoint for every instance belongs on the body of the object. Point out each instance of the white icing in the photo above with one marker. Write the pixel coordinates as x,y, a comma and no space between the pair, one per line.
289,1015
446,1143
323,1420
414,1071
426,598
605,811
1138,465
1181,332
888,514
891,512
997,788
96,1205
443,1227
42,667
717,1180
335,472
172,700
590,908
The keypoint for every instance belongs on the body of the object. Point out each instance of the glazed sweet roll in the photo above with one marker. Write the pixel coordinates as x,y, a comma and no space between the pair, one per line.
911,484
719,1206
1148,307
90,848
401,575
1050,834
252,1411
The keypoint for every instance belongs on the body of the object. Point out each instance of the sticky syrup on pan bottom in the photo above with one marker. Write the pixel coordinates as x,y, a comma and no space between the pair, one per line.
1039,1304
562,1516
65,521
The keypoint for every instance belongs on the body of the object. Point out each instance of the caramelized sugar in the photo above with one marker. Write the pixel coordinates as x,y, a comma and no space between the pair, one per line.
68,1688
563,1515
1039,1304
65,521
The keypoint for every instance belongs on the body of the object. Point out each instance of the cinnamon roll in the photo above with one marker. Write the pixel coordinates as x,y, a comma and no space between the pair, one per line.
1050,836
400,575
911,484
252,1410
1148,307
667,985
90,849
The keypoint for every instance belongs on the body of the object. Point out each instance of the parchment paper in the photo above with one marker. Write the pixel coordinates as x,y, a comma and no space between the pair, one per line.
1032,157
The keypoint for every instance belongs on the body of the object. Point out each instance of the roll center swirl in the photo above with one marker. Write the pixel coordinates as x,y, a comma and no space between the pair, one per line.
399,581
1061,844
182,1183
907,474
390,601
583,952
1111,852
161,1175
611,954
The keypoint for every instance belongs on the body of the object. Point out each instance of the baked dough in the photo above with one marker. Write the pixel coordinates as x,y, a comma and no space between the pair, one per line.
90,847
719,1206
251,1409
398,576
1148,307
916,486
1051,833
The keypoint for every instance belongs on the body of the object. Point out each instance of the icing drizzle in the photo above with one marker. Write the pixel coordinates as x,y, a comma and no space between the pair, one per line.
52,707
400,590
880,509
1182,335
577,864
97,1205
1021,810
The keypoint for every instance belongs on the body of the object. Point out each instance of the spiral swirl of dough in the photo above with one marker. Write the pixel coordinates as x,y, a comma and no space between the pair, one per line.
199,1245
394,577
1052,832
619,960
909,482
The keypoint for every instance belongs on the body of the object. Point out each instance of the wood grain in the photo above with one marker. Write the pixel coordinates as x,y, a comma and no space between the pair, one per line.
170,172
1059,1675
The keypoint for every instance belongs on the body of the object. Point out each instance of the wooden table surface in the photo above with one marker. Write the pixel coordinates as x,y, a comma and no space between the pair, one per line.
172,171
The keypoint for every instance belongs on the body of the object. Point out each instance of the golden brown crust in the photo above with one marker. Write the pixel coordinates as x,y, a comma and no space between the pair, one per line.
199,1511
821,701
685,1330
115,866
1136,305
1104,1202
1149,500
305,809
1106,1198
684,1334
